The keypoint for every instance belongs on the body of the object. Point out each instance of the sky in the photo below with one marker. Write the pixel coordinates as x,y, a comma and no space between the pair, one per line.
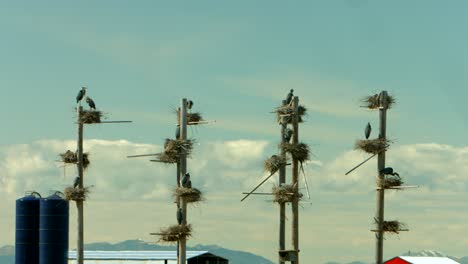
237,60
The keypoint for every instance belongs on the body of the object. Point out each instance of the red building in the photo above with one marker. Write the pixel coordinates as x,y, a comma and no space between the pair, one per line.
420,260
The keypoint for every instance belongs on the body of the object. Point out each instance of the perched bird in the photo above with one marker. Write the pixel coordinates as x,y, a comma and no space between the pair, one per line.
185,180
180,216
81,94
288,135
289,96
189,104
177,132
189,184
76,182
389,171
368,130
91,103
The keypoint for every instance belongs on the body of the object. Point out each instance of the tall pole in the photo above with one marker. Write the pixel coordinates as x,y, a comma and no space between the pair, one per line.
295,183
183,170
79,203
282,180
381,191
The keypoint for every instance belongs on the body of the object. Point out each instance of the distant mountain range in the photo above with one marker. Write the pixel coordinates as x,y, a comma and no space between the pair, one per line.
235,257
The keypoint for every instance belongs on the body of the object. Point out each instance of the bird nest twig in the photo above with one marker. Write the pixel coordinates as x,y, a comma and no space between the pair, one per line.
71,157
274,163
174,149
190,195
373,101
192,118
90,117
76,194
391,181
372,146
287,111
298,151
394,226
286,193
174,233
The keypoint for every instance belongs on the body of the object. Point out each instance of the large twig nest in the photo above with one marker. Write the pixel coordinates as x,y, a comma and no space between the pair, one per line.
298,151
90,117
372,146
392,181
287,111
286,193
373,101
192,117
174,149
190,195
393,226
174,233
274,163
76,194
72,157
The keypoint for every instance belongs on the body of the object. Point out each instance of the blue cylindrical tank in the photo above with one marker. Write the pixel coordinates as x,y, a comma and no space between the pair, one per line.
27,230
53,230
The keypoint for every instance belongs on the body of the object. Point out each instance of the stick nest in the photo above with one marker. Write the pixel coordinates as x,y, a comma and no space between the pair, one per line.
286,193
298,151
90,117
373,101
391,181
192,118
72,157
174,149
274,163
190,195
372,146
76,194
175,233
288,112
393,226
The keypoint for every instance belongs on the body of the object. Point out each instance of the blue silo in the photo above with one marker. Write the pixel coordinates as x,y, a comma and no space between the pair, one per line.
53,230
27,229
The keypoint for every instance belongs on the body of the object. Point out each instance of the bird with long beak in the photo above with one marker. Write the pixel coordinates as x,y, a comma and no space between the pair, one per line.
81,94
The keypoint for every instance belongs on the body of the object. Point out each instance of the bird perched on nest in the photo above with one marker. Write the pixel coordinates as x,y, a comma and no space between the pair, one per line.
185,180
76,182
288,135
189,104
81,94
180,216
289,96
368,130
91,103
389,171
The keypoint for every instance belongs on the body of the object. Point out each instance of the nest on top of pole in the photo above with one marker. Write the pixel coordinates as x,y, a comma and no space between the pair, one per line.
285,193
299,151
287,111
373,101
174,233
393,226
76,194
190,195
174,149
193,118
72,157
90,117
391,181
372,146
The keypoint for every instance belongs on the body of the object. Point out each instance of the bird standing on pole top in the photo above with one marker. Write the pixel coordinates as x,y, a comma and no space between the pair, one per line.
81,94
91,103
289,96
368,130
189,104
180,216
185,180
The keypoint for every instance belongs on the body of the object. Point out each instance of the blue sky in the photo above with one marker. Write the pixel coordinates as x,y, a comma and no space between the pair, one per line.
236,60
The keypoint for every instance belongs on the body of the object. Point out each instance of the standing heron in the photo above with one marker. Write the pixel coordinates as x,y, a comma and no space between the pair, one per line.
81,94
289,96
368,130
91,103
389,171
288,135
189,104
189,184
180,216
76,182
185,180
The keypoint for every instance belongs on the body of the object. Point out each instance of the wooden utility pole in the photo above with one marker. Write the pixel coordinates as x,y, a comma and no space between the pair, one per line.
79,203
295,182
383,102
183,169
282,180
